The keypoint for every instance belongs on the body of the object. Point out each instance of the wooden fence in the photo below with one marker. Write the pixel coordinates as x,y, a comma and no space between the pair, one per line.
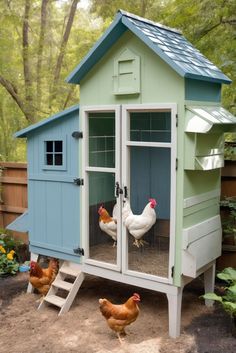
13,194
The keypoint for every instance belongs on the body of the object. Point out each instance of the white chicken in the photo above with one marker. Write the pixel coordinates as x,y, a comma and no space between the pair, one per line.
107,223
138,225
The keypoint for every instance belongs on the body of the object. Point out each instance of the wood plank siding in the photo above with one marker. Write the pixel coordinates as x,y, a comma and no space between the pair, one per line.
13,194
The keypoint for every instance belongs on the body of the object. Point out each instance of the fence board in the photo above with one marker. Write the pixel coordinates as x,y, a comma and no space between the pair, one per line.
13,197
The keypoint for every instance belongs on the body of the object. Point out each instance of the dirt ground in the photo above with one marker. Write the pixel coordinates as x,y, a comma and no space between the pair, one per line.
24,329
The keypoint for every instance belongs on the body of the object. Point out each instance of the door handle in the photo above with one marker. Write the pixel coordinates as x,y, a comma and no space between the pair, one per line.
118,190
125,192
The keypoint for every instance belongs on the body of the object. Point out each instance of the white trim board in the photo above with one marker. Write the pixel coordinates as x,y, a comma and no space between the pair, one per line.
194,200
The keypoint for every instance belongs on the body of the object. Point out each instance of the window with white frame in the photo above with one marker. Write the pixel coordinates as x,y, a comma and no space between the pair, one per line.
54,154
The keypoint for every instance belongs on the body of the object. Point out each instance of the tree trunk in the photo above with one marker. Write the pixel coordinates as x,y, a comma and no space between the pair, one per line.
26,62
63,47
40,50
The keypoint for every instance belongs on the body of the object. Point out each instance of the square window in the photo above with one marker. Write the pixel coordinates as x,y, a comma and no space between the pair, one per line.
54,154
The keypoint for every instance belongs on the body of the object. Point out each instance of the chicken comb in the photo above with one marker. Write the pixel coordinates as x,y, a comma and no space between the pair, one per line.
153,201
136,295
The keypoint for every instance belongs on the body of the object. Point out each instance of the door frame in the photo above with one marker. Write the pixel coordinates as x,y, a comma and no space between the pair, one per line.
122,174
126,109
85,110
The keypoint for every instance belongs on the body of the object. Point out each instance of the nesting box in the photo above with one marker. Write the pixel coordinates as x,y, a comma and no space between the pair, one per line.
149,126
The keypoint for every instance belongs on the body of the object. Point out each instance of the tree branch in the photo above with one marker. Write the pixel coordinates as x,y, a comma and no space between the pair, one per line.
12,90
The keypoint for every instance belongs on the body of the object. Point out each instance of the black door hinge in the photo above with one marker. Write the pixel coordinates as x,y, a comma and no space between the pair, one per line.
79,251
77,134
172,271
79,181
177,120
176,164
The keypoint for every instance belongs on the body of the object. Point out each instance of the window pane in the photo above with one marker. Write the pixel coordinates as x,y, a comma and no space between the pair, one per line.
49,146
102,140
150,126
58,146
58,159
49,159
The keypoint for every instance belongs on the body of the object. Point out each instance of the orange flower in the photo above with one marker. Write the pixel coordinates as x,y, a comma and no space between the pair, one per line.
12,252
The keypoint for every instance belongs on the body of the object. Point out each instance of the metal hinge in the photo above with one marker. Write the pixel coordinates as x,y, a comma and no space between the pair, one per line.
172,271
176,163
79,181
177,120
77,134
79,251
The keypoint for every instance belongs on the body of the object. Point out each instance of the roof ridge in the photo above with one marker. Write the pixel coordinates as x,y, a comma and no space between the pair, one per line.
136,17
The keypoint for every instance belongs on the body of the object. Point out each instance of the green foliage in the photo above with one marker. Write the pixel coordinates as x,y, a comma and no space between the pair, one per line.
9,264
228,298
229,222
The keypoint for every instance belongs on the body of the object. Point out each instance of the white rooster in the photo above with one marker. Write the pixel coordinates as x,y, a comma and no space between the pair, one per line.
107,223
138,225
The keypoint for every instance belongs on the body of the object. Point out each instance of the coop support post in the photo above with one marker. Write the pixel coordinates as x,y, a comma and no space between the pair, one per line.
174,311
33,257
209,282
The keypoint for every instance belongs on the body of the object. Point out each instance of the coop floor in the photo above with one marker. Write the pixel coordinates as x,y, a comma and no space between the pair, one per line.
150,258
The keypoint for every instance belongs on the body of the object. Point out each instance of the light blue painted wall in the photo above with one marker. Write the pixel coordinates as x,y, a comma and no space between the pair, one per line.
54,200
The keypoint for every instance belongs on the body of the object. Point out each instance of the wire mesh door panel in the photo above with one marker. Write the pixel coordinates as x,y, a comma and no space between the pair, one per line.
147,208
102,160
102,217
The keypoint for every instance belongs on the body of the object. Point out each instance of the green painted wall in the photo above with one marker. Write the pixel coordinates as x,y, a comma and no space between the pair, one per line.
159,83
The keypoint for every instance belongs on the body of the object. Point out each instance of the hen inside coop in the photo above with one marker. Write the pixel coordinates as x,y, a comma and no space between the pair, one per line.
129,220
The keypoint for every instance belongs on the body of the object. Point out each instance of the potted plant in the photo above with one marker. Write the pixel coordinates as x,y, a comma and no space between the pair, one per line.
228,297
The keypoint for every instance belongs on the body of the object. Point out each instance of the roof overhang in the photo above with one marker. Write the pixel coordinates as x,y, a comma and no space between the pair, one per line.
201,119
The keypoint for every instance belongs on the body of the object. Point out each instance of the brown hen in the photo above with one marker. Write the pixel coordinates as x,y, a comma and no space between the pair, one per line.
42,278
119,316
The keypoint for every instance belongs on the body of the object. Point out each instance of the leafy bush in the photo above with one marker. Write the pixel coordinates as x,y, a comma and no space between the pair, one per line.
8,254
228,298
229,222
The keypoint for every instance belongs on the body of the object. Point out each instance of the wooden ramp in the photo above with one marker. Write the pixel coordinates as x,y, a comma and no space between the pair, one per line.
65,287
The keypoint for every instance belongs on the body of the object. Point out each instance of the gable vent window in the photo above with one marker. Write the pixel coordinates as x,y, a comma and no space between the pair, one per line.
54,154
126,78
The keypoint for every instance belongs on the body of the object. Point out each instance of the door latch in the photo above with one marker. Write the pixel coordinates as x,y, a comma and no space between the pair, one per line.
118,190
79,181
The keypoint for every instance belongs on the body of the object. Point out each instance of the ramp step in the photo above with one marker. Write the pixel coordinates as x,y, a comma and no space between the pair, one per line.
72,271
62,284
54,299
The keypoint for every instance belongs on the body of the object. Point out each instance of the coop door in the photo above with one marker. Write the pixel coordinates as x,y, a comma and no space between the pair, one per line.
148,172
101,200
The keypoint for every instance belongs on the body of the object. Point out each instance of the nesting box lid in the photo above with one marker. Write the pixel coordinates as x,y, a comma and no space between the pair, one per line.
201,119
168,43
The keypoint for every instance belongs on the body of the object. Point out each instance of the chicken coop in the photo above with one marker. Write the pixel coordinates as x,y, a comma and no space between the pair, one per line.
149,126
